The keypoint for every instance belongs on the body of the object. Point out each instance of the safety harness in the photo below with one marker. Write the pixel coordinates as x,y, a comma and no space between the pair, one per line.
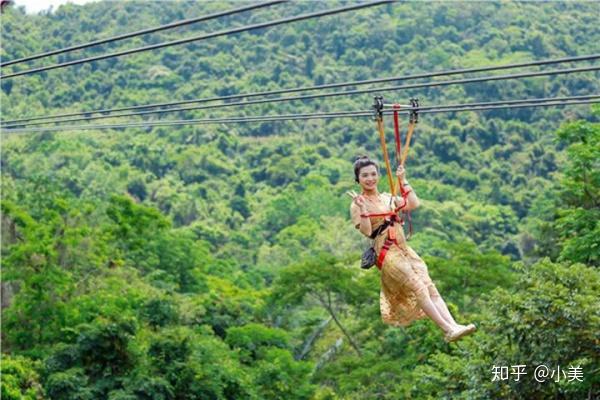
391,217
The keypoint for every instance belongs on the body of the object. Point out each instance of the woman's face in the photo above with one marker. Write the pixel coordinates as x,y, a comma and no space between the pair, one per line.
368,177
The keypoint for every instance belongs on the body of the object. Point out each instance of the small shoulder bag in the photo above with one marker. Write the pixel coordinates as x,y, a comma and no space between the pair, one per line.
369,256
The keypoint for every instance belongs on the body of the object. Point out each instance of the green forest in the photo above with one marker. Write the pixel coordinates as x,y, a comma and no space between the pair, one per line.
219,261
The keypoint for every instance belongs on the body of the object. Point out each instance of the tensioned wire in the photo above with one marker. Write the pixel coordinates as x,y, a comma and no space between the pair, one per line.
246,28
542,102
171,25
318,87
324,95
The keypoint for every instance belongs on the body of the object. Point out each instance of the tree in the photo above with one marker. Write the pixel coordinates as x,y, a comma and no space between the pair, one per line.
549,318
37,312
142,238
251,340
325,279
463,273
578,222
20,380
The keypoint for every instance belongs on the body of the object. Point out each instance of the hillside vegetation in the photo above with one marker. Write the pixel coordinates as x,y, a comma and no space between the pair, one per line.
219,262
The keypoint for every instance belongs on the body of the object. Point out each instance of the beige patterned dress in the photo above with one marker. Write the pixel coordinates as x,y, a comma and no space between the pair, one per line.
404,275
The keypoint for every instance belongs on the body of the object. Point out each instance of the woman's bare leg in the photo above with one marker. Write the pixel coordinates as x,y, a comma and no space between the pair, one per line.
441,306
432,312
443,310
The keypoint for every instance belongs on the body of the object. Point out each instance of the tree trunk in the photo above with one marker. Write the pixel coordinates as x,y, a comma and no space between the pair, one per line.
329,353
308,343
338,323
9,289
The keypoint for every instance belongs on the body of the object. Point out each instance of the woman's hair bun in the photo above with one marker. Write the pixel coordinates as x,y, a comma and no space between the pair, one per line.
361,158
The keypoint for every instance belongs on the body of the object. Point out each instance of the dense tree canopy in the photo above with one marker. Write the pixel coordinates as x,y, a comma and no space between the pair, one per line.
218,261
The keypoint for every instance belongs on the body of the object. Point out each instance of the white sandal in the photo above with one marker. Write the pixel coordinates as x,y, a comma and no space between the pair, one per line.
458,333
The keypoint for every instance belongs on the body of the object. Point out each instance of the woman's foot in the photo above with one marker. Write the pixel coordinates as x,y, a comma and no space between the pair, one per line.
470,328
458,332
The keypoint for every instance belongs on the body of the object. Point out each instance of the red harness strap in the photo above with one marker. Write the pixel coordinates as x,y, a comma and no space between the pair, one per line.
399,160
391,239
398,141
386,246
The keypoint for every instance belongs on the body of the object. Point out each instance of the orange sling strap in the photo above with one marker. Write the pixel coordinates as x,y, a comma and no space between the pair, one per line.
414,119
392,216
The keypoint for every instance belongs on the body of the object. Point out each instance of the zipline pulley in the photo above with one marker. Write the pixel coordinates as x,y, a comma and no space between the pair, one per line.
377,107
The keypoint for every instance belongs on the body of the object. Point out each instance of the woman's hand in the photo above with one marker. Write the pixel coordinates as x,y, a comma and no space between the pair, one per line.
365,222
358,199
401,173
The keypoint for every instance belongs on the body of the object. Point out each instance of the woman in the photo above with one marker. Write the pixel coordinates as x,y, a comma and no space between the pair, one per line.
407,292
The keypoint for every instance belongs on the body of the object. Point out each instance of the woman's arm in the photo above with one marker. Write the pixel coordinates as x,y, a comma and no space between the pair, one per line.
358,208
412,201
365,223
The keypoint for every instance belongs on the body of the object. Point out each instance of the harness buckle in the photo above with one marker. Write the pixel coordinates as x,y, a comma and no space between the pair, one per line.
392,233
